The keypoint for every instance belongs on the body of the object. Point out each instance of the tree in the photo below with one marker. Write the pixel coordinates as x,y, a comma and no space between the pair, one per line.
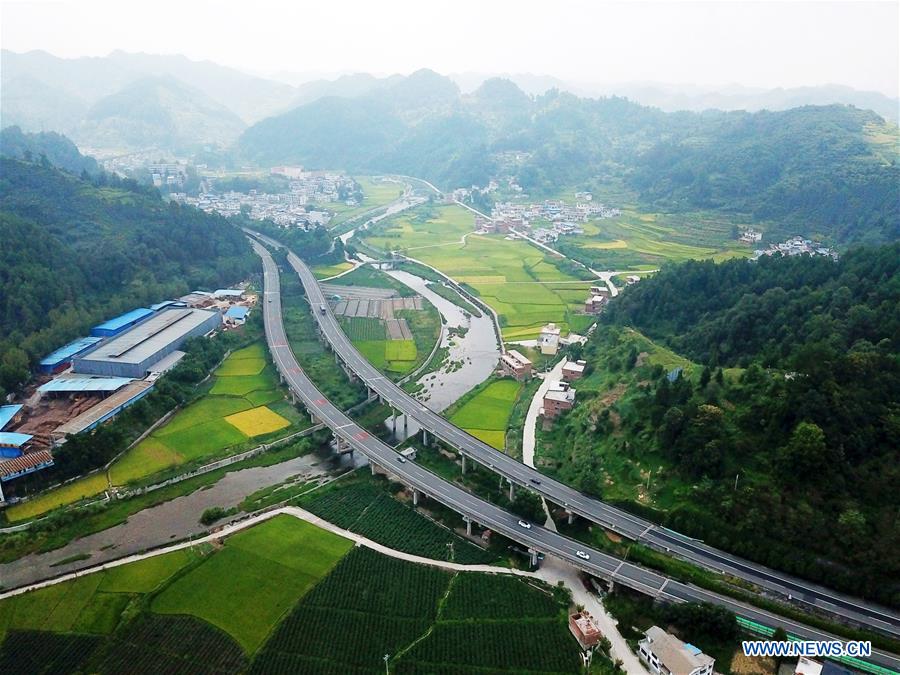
805,455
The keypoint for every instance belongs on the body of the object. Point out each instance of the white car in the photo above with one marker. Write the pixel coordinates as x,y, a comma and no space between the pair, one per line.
522,523
582,555
401,459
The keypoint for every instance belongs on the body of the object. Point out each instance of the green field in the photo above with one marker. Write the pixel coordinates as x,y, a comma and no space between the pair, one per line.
637,240
486,414
365,508
375,194
519,281
285,596
93,603
427,226
242,383
235,411
327,271
69,493
245,588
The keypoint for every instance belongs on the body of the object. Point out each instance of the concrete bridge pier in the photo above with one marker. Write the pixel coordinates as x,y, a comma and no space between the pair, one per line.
512,491
534,557
415,497
463,463
571,517
468,526
425,437
372,466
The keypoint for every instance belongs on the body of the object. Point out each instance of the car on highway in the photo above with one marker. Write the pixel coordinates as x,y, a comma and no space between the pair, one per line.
535,481
524,524
321,309
582,555
402,460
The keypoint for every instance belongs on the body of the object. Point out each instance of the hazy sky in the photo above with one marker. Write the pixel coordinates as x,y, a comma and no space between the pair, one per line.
751,43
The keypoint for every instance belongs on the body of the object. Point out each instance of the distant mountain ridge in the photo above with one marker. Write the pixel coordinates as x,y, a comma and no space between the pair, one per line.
830,170
41,92
158,112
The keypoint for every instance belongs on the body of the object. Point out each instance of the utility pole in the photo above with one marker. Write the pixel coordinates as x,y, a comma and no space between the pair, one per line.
386,671
736,476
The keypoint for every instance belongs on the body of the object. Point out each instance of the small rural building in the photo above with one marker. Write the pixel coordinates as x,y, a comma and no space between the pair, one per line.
632,279
584,629
514,364
559,398
548,340
132,353
237,315
665,653
121,323
595,304
573,370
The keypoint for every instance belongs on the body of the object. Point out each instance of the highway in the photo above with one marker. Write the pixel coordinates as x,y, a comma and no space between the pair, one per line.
536,538
617,520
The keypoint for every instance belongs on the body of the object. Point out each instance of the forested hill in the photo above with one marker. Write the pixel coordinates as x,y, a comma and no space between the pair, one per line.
793,454
76,252
773,311
59,150
824,171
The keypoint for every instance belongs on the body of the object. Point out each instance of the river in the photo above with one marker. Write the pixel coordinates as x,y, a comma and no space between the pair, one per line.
172,520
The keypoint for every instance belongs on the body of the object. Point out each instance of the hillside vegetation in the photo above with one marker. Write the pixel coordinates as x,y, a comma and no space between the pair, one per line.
790,459
825,170
76,251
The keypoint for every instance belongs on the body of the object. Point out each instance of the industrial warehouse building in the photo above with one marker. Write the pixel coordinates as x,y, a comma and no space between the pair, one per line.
134,352
62,357
121,323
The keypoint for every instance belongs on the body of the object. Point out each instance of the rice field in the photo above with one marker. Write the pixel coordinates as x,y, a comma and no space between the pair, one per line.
237,409
486,414
84,488
247,587
423,227
257,421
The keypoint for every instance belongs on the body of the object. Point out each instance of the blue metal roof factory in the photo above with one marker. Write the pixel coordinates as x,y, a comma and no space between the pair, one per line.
121,323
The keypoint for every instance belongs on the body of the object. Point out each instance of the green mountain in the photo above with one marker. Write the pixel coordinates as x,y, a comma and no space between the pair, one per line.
158,113
781,426
75,252
828,171
59,150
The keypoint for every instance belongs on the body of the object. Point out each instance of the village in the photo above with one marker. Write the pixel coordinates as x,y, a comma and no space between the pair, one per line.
291,209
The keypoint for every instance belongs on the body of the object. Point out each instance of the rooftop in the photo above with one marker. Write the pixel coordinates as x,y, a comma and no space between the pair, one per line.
124,319
25,463
577,366
7,412
228,293
64,353
674,654
237,312
84,383
146,339
10,439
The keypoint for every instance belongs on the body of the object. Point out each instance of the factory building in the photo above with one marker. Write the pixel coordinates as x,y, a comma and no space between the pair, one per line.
17,458
134,352
121,323
62,357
